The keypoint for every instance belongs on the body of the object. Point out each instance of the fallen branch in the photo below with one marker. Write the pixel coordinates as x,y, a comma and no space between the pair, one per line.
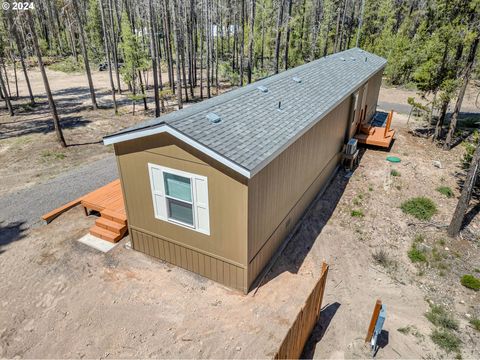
429,224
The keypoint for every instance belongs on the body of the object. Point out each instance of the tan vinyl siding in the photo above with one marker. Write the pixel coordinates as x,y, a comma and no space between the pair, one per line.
228,224
220,270
279,193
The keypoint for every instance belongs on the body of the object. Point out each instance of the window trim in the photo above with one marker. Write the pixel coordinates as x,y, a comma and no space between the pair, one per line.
194,203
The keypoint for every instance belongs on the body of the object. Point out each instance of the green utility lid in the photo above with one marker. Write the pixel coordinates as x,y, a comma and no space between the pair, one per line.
393,159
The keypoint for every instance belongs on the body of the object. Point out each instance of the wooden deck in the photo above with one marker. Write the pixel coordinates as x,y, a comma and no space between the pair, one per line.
375,135
107,197
108,201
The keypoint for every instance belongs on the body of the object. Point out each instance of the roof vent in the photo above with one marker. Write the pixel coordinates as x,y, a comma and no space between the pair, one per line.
342,58
262,88
214,118
297,79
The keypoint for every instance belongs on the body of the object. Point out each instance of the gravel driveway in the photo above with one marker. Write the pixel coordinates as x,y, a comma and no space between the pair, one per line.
24,208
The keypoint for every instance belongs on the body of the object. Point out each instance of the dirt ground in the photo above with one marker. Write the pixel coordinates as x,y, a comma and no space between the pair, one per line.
66,300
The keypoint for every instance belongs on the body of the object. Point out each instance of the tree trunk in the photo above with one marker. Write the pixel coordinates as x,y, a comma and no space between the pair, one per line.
462,205
337,31
21,46
176,36
6,79
107,53
153,52
360,23
53,108
76,10
287,37
201,48
242,40
6,96
278,36
114,46
208,49
142,89
251,40
14,62
168,45
461,94
441,120
317,16
302,31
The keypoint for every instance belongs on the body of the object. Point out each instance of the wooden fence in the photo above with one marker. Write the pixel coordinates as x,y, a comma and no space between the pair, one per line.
294,342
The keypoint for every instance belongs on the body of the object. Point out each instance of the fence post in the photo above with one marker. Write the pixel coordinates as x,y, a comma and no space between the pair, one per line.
373,320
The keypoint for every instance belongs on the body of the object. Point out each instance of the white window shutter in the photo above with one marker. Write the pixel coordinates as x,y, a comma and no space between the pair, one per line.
158,192
201,205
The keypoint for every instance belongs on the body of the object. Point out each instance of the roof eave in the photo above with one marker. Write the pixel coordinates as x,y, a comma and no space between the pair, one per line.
164,128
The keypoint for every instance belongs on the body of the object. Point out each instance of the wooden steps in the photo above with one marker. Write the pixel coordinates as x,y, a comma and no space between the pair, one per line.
110,226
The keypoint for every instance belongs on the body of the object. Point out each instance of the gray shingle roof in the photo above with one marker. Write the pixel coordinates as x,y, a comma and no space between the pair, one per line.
252,130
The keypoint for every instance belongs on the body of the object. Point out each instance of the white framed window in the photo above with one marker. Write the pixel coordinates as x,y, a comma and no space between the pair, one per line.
180,197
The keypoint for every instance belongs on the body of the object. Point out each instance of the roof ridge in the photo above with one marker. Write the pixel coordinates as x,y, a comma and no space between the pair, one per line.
231,94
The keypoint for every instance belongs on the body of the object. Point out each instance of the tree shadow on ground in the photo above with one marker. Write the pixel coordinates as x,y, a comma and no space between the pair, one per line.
305,233
11,232
467,123
85,143
326,316
41,126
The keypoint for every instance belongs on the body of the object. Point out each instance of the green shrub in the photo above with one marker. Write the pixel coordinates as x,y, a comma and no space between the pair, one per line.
420,207
470,282
419,238
438,316
52,155
405,330
475,323
394,172
445,190
416,255
67,65
357,213
446,340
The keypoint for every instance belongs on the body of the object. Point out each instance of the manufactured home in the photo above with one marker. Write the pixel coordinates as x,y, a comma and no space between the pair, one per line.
217,187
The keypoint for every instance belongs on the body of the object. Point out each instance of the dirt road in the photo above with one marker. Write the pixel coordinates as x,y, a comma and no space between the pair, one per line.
25,207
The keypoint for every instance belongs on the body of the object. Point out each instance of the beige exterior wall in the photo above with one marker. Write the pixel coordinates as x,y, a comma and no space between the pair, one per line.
279,194
222,255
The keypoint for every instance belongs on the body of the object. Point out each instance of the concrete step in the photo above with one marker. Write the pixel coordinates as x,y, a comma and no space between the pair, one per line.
105,234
